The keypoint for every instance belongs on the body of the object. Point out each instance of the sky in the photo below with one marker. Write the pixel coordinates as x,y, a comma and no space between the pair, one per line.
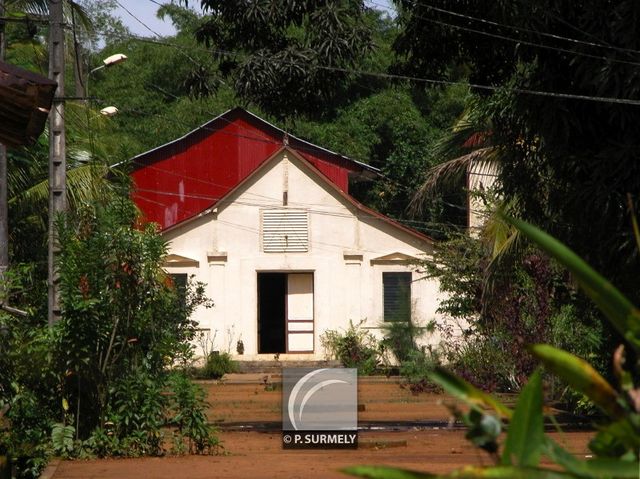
145,10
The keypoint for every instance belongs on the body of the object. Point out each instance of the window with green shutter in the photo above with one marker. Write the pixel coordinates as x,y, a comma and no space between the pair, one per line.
180,281
397,296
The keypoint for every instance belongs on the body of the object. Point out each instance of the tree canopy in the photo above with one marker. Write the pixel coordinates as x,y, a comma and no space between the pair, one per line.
289,56
570,157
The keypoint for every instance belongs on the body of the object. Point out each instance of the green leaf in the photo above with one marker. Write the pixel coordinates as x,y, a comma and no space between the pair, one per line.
469,472
616,439
634,221
618,468
619,310
581,376
382,472
593,468
464,391
525,438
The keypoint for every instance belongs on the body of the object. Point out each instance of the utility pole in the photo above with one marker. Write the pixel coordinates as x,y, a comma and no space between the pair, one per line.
4,213
57,158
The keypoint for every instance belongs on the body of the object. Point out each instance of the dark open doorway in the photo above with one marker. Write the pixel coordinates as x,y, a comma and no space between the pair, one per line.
272,294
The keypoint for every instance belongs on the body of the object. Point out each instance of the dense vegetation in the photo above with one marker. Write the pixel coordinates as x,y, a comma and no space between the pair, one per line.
442,83
567,164
98,382
519,452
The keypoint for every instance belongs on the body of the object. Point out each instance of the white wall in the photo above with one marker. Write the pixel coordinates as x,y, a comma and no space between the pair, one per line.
344,290
481,178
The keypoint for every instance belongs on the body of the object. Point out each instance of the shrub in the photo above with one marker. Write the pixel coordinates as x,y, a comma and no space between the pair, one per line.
400,338
484,362
415,370
354,348
507,303
101,371
217,365
136,413
188,414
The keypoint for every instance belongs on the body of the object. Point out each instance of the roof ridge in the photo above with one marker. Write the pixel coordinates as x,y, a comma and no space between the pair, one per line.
248,113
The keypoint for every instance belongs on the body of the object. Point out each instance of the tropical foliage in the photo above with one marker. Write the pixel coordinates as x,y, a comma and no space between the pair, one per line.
527,298
569,162
354,347
351,78
289,57
615,446
96,382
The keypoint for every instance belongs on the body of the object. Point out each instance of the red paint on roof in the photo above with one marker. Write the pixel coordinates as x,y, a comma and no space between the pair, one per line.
180,179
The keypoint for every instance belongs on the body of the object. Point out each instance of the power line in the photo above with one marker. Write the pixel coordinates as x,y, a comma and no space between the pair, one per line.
275,204
524,29
313,242
525,42
137,19
186,55
431,81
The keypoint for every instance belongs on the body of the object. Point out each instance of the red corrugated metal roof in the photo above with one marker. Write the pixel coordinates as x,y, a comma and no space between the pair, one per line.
185,177
182,178
349,199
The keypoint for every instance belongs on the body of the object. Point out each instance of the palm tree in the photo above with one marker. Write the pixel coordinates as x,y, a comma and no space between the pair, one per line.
28,167
474,155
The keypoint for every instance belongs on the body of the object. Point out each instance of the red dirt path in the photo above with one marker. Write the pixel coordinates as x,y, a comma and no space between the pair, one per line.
259,455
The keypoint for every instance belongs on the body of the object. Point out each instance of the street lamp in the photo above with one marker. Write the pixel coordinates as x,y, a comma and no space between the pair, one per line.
109,111
110,61
107,62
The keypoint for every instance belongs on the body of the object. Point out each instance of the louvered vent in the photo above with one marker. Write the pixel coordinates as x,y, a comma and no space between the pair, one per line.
397,296
285,231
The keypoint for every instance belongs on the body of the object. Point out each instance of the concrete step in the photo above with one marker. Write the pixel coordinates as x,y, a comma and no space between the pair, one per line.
274,367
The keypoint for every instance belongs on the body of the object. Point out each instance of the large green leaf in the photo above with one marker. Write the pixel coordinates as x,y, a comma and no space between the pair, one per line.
464,391
469,472
624,316
384,472
593,468
581,376
525,438
616,439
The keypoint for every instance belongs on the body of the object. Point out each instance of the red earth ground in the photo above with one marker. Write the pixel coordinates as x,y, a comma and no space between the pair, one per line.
243,399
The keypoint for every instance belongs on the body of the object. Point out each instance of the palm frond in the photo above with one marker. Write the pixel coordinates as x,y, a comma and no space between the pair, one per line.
41,8
35,7
468,147
79,15
84,184
504,241
480,161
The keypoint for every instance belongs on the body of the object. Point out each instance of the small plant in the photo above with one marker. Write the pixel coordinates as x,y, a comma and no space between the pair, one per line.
188,414
138,413
400,337
354,348
416,368
104,442
270,385
206,340
218,364
62,439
